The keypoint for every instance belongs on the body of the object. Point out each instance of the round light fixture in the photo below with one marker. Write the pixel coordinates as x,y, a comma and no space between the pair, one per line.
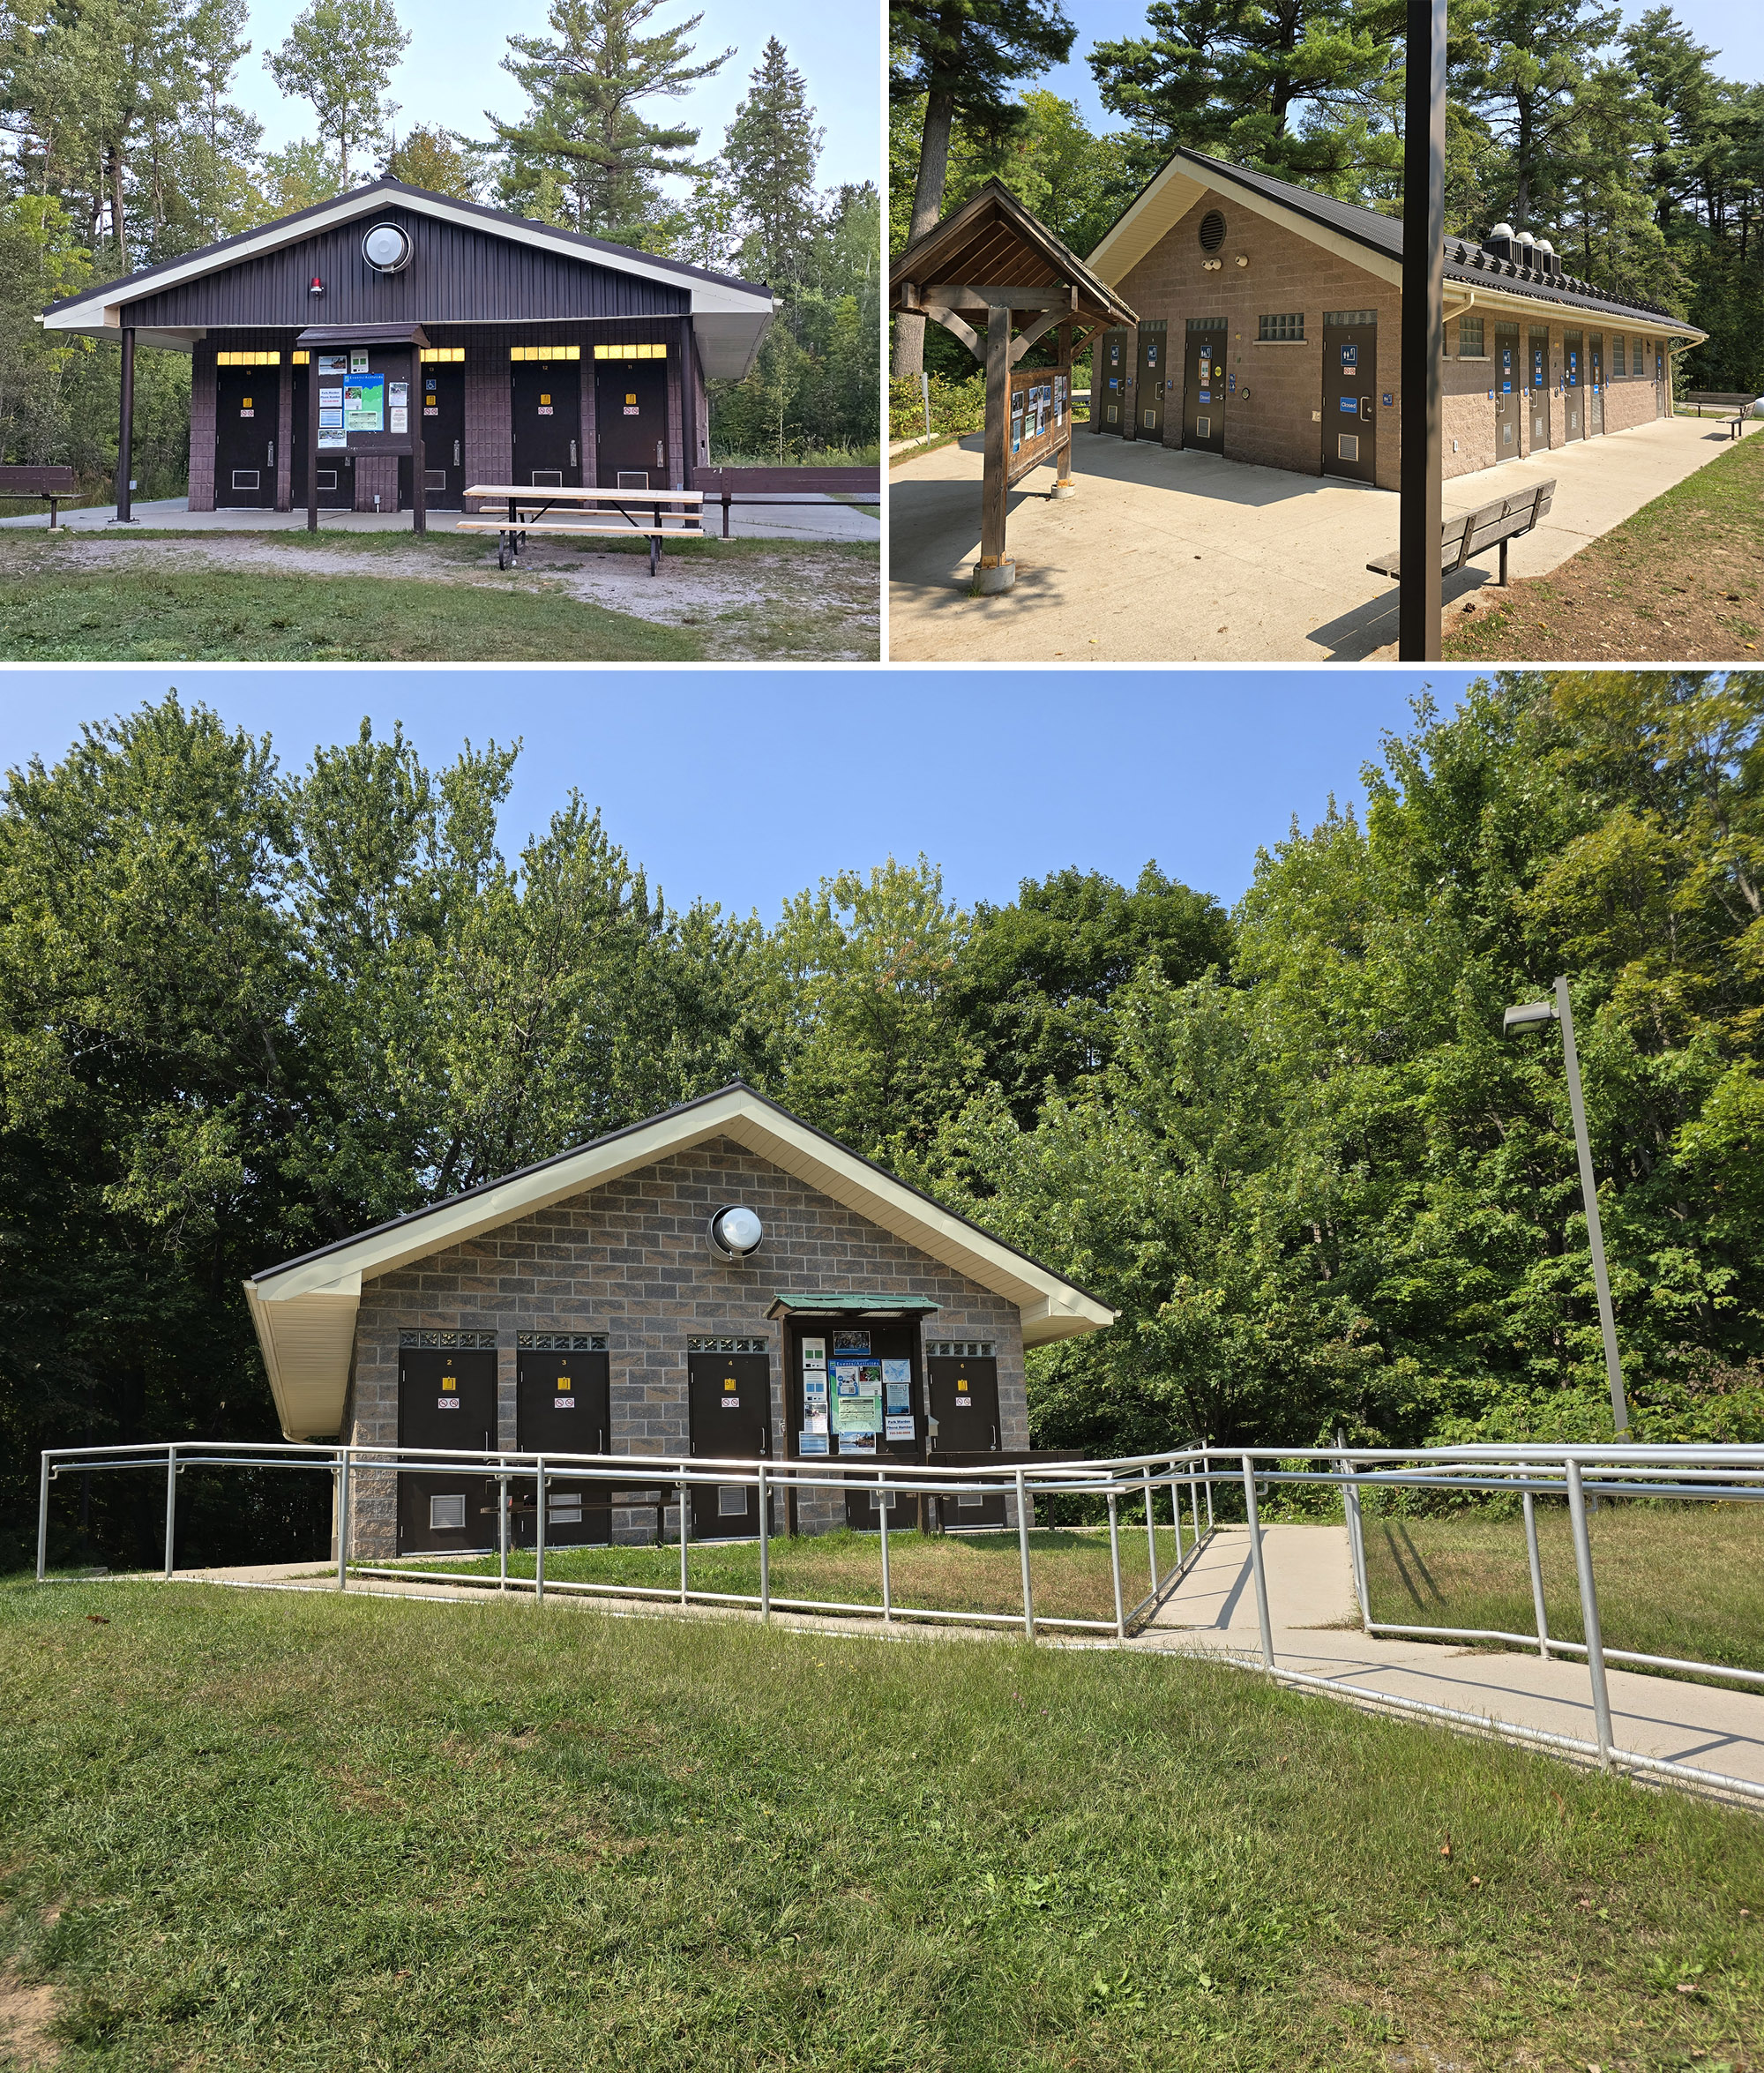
735,1232
387,248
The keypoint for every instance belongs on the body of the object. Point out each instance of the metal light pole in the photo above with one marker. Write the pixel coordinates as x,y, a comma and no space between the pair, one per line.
1424,331
1559,1010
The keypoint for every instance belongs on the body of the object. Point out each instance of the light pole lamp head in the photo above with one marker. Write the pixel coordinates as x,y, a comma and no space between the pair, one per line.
1522,1018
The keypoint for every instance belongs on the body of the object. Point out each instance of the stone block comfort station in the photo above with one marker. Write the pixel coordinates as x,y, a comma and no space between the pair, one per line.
722,1281
1269,331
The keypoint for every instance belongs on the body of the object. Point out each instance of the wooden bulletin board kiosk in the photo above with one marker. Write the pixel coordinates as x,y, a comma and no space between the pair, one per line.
367,383
1000,281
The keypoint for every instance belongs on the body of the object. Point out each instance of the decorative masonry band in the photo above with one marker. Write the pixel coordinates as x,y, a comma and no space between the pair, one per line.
1187,1478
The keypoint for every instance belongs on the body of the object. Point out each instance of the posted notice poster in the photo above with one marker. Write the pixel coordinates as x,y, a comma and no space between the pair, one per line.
330,432
812,1442
815,1389
333,363
857,1393
851,1342
358,359
858,1443
364,403
397,405
897,1400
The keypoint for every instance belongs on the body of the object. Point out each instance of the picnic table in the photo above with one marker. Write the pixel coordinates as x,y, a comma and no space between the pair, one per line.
671,514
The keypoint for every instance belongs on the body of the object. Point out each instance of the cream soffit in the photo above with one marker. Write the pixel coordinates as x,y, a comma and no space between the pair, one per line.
1170,195
304,1312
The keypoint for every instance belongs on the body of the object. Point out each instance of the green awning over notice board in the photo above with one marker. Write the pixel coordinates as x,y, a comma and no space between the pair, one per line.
849,1303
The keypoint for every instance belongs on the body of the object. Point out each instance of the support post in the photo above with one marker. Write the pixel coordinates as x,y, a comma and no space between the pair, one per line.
925,399
1424,331
1589,1612
1256,1567
1193,1502
539,1538
1063,486
1583,1151
502,1532
1357,1540
996,571
766,1549
1023,1553
126,432
887,1582
1539,1612
313,385
1207,1471
343,1467
1115,1567
171,1505
683,1544
1151,1526
43,1519
419,457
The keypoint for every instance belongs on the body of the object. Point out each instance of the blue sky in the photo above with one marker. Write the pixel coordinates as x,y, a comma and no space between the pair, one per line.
450,73
743,787
1733,28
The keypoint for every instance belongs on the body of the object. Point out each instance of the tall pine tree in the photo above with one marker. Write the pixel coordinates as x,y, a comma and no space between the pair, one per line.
770,151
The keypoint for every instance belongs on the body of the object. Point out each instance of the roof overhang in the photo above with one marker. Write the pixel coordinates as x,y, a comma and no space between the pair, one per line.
729,316
849,1303
304,1311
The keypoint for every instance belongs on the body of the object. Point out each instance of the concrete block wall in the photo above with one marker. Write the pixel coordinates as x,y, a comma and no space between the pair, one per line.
1279,423
202,400
631,1260
1273,425
284,494
489,411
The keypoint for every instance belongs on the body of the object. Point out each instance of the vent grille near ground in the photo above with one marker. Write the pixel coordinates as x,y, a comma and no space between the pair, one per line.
1212,231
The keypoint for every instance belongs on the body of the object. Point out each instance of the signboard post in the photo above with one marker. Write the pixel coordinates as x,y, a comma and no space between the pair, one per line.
362,401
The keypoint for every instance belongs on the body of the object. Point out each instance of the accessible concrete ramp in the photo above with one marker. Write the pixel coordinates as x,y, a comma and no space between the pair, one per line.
1316,1634
1167,555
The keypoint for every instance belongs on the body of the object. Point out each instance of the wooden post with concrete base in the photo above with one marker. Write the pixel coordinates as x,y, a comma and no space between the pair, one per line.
996,571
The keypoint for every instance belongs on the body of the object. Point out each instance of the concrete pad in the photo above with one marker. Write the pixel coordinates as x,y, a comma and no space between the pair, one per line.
807,520
1168,557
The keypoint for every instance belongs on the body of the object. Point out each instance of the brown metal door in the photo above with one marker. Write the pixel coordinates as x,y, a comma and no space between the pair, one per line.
1108,399
730,1399
447,1399
547,424
1594,384
1203,384
1540,391
962,1390
247,404
562,1406
1350,397
630,423
444,434
1573,401
1508,401
1148,394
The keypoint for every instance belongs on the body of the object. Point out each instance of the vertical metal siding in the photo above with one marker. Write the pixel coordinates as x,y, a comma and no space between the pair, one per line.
456,276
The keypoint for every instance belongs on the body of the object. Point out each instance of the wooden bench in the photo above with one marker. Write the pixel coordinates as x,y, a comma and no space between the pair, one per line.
1740,406
54,482
1468,533
673,514
788,485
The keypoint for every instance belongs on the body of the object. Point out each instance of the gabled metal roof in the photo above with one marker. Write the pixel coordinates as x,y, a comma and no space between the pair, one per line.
1372,241
993,241
304,1309
728,314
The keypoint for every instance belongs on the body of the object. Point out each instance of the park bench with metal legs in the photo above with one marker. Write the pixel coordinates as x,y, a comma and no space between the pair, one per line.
672,514
1465,534
52,482
1742,406
788,485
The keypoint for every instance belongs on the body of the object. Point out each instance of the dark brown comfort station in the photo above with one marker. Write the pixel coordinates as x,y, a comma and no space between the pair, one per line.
448,344
722,1280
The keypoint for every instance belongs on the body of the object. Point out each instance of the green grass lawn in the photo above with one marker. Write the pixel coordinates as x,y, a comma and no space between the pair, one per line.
307,1833
1672,1580
220,614
959,1572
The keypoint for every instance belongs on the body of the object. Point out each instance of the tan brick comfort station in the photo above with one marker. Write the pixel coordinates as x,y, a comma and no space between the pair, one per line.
1269,323
675,1288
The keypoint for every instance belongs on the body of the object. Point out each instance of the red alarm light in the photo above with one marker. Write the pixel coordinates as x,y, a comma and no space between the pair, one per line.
318,287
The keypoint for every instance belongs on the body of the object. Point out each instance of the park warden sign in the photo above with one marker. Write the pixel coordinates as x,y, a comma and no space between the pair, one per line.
385,349
722,1279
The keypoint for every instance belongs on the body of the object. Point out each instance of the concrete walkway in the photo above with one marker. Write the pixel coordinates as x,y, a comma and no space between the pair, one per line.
1310,1602
1168,557
789,521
